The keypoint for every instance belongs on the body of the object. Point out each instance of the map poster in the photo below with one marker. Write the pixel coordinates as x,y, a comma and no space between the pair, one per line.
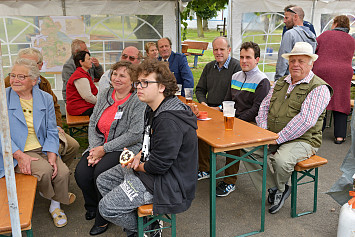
54,40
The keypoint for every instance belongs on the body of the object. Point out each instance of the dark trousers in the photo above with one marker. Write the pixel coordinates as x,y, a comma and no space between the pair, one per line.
86,176
204,162
88,112
340,124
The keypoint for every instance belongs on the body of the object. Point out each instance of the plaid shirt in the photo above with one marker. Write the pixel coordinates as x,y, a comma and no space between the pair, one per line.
312,107
225,65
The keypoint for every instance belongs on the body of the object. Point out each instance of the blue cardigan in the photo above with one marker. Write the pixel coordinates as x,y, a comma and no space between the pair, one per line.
44,122
179,66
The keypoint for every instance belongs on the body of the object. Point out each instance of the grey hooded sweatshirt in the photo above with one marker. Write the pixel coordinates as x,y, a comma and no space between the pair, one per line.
296,34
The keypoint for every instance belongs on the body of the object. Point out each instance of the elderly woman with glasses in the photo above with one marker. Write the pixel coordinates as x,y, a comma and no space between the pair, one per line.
81,90
116,123
34,137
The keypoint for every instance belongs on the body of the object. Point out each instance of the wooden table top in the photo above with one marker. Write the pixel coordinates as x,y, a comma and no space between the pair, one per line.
243,135
26,191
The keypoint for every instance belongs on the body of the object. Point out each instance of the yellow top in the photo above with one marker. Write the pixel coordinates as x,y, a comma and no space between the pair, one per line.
32,140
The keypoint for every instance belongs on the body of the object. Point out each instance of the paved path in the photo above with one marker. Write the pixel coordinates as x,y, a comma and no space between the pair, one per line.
237,213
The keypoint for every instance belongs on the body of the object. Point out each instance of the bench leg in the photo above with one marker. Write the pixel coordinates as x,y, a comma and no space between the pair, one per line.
173,225
171,220
295,182
195,61
294,194
29,233
315,189
140,227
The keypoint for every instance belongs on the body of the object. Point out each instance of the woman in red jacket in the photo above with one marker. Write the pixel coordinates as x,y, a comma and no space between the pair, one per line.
335,50
81,91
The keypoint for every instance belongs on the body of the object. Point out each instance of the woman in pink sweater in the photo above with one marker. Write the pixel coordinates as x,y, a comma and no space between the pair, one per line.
335,50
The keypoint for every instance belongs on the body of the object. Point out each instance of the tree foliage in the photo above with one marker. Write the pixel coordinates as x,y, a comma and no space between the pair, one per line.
204,9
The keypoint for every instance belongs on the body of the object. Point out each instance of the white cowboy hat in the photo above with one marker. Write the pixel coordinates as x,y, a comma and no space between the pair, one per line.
301,48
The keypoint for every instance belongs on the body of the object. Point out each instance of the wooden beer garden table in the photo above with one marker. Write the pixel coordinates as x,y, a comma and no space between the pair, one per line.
243,135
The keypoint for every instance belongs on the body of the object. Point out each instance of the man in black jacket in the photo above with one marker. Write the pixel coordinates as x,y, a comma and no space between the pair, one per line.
164,171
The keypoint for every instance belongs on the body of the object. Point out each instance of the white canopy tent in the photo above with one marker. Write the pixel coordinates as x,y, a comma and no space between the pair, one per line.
109,26
18,10
168,8
314,9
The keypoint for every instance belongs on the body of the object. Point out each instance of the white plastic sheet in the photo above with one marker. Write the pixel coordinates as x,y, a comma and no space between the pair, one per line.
311,8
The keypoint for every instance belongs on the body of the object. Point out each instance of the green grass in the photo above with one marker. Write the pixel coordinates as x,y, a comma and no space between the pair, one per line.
210,35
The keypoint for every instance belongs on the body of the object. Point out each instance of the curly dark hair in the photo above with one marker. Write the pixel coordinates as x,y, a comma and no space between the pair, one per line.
342,21
80,56
131,70
253,46
163,75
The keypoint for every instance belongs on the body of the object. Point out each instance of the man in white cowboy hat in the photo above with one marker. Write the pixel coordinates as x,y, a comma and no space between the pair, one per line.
294,109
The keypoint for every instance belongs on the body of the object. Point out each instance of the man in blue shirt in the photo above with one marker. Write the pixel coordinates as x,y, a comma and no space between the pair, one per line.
177,64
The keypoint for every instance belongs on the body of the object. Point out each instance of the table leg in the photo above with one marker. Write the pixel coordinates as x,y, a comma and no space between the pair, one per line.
212,193
262,225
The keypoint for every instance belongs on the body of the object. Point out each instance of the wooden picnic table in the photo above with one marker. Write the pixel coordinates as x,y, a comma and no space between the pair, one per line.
243,135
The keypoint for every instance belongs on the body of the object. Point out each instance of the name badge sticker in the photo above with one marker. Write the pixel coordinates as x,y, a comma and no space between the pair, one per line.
118,115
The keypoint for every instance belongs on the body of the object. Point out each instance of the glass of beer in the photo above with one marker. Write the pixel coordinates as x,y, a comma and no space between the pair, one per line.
228,115
189,92
228,123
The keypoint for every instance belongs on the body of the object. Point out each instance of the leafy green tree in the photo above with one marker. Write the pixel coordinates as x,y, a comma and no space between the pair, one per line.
204,9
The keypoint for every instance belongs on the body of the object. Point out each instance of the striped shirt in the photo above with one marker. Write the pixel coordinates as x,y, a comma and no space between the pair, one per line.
312,107
225,65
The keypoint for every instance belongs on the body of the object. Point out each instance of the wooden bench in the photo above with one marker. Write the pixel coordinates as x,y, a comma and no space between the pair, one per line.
147,211
26,192
77,123
197,45
305,168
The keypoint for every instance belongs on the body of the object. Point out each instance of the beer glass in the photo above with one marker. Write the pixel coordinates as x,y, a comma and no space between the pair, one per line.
228,115
189,93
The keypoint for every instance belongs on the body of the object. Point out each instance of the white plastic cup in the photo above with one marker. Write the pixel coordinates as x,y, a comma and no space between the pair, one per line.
179,91
228,112
228,105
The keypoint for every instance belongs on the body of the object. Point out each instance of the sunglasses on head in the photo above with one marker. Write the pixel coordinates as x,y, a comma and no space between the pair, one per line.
290,10
131,58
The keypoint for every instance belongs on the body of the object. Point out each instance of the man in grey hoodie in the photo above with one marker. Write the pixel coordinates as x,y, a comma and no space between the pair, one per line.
298,32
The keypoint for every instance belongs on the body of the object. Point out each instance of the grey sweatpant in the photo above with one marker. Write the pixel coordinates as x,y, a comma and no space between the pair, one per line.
123,193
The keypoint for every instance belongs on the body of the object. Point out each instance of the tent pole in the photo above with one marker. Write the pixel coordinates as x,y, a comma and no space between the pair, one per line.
5,139
313,7
178,27
63,8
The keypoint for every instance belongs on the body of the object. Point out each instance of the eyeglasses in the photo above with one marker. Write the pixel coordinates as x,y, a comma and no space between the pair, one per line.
143,84
21,77
290,10
131,58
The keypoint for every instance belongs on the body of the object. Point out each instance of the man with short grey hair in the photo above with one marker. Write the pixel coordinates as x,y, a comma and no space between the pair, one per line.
69,67
294,109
